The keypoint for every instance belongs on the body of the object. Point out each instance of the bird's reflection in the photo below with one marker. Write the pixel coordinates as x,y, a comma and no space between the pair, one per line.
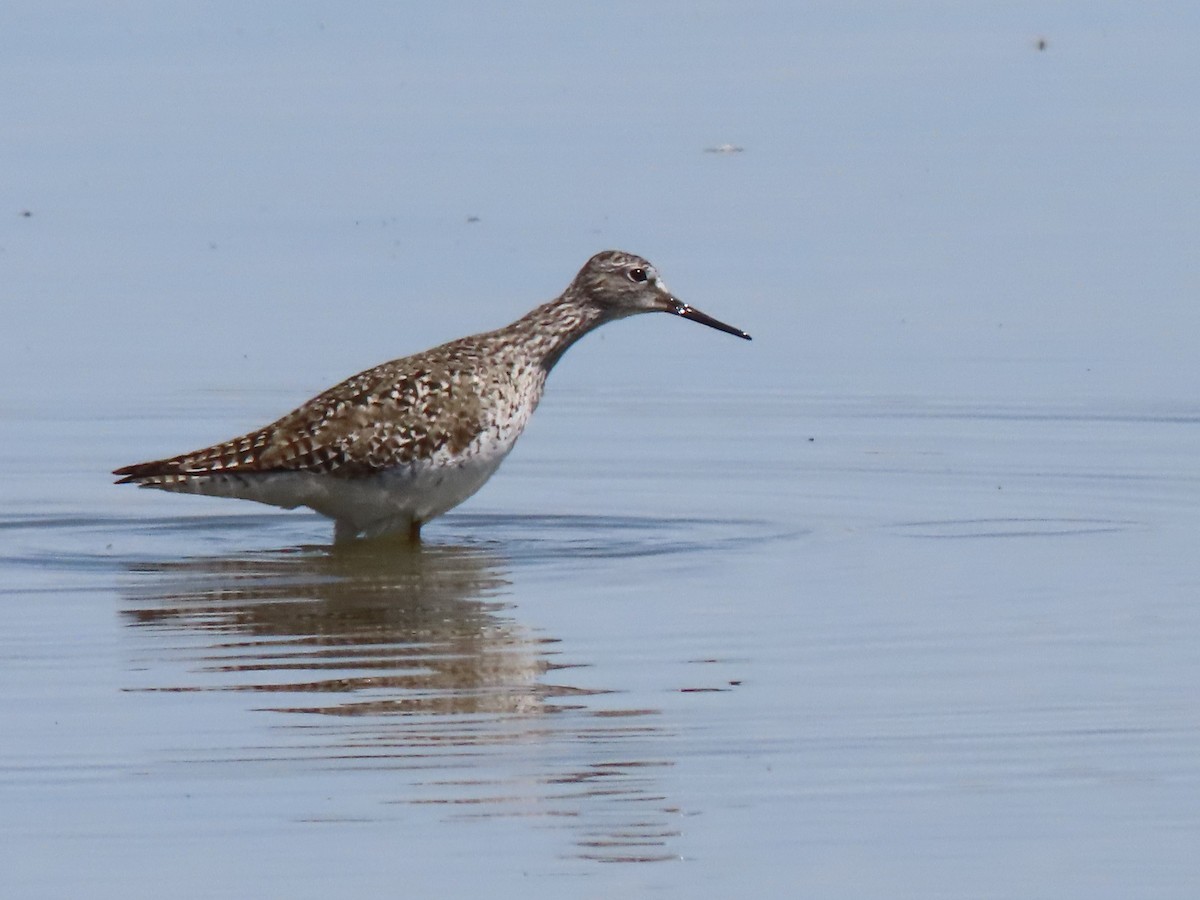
412,659
369,629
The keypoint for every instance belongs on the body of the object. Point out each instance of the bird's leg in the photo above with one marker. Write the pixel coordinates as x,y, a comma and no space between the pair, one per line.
343,532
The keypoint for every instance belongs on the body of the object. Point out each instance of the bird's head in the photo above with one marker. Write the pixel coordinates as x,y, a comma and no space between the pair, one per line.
623,284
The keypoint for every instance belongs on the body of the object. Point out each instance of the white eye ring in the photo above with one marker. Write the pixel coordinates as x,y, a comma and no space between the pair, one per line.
639,275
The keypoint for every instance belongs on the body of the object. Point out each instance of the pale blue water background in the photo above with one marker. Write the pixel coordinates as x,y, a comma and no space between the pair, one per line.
899,600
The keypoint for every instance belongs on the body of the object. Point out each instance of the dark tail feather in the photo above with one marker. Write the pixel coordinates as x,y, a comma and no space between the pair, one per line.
138,471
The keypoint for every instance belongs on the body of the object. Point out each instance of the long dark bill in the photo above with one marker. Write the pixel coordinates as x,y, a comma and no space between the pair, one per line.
687,312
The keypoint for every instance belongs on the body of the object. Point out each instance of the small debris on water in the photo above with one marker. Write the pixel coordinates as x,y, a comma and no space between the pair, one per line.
725,148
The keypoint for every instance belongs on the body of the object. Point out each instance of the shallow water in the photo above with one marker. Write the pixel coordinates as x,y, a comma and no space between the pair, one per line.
835,693
898,600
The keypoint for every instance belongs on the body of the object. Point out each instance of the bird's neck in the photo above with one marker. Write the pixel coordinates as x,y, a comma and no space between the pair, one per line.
546,332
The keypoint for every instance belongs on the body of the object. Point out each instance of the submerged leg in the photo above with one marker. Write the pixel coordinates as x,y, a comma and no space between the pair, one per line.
407,531
343,532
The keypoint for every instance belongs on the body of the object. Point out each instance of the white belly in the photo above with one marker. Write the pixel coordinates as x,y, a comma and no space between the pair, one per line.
396,499
393,500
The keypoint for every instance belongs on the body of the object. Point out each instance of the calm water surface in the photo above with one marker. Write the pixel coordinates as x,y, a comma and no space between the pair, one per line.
899,600
954,649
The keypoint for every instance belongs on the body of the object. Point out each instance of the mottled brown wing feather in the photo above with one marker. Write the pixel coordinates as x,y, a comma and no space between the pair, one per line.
384,417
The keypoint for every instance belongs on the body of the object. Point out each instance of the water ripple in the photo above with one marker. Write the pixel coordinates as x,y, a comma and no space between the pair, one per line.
1012,527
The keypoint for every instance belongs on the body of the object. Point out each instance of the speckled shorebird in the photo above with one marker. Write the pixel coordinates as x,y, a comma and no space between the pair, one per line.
394,446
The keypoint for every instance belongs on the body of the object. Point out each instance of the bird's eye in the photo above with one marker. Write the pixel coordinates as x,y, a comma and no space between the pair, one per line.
638,275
